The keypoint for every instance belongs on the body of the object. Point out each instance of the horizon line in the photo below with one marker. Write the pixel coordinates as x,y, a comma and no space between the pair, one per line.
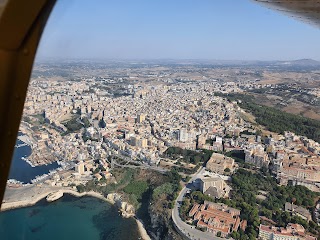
39,59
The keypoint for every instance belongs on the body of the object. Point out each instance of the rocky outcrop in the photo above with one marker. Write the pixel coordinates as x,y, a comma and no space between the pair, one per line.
127,210
54,196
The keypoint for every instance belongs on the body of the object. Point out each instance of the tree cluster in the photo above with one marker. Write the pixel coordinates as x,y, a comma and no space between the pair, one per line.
188,156
278,121
246,186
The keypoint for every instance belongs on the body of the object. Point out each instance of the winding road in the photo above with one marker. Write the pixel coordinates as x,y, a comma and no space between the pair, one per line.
189,231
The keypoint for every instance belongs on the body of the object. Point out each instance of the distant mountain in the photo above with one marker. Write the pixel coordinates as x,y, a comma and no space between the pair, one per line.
303,62
276,63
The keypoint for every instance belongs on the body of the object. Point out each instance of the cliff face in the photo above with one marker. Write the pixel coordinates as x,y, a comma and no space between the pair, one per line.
161,224
157,226
154,212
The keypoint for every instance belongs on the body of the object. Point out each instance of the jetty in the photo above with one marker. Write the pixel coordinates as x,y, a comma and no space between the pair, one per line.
21,145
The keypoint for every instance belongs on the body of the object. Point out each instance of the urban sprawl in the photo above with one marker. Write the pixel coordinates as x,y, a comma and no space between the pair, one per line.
141,117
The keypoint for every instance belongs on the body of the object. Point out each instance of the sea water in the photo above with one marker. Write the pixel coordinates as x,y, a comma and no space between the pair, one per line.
70,217
21,170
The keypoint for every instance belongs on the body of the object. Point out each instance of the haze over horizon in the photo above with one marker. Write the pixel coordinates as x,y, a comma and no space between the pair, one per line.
175,30
97,59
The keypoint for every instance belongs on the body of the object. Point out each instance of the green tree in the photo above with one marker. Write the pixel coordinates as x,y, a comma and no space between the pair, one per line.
80,188
102,123
137,188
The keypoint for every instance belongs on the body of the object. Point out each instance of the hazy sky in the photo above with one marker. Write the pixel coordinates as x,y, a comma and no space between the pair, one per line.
175,29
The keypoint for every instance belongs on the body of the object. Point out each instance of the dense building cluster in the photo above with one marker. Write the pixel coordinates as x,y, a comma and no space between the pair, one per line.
135,115
216,217
291,232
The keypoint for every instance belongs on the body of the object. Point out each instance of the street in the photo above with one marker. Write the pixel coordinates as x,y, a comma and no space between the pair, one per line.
189,231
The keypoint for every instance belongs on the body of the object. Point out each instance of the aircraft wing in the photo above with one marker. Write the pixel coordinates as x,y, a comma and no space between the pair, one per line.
304,10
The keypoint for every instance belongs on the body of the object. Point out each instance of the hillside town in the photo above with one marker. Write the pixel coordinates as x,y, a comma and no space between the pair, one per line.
78,123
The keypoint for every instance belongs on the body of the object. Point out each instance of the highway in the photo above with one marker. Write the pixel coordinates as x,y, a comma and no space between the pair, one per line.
189,231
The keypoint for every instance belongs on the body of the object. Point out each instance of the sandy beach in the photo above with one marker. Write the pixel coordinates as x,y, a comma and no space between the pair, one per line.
142,230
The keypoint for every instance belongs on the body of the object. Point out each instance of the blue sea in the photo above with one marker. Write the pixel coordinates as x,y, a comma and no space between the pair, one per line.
82,218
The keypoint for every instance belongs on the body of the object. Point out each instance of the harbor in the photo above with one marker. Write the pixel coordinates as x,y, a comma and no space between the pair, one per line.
23,170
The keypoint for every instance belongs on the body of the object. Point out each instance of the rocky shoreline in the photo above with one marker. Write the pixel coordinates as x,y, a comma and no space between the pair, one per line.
113,198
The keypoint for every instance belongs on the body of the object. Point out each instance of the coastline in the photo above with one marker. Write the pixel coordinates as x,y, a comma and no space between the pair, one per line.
55,194
6,206
142,229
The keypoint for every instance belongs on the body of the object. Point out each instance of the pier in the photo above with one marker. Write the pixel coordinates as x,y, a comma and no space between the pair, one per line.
21,145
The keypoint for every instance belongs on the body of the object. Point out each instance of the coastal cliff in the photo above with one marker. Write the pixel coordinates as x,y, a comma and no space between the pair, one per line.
161,225
127,210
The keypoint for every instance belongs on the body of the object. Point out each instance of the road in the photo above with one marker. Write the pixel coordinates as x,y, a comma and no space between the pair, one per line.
141,165
189,231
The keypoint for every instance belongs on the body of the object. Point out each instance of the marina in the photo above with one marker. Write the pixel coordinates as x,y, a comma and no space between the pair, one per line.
23,171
